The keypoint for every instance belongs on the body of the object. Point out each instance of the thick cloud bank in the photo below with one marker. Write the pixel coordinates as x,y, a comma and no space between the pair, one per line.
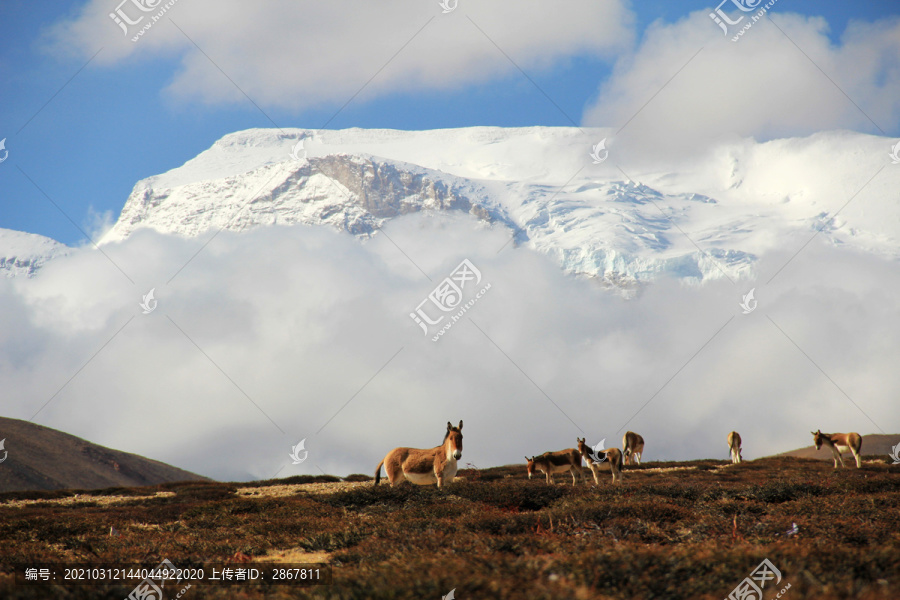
276,335
303,54
687,85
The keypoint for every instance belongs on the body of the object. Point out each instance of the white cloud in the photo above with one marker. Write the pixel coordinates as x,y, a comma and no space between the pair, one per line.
301,318
761,86
301,54
98,223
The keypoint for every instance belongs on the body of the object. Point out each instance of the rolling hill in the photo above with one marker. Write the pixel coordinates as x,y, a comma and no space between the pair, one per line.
40,458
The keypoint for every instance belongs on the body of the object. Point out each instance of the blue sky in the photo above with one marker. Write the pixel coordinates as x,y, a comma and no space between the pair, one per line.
85,137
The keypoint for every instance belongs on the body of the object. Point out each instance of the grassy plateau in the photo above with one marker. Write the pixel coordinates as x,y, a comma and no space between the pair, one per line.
669,530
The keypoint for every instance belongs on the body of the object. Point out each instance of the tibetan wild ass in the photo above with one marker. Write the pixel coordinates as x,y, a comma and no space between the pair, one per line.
556,462
424,467
840,442
633,447
734,444
594,460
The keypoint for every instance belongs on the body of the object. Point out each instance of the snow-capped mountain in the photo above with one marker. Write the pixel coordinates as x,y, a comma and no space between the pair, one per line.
25,253
705,220
349,192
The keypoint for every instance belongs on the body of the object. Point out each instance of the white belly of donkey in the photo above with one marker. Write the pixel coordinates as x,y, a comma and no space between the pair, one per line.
422,478
430,478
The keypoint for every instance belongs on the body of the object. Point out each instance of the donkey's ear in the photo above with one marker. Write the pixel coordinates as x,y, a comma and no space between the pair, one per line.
460,423
526,458
813,432
449,426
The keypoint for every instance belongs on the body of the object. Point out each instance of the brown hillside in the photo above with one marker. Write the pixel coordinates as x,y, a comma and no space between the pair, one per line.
40,458
872,444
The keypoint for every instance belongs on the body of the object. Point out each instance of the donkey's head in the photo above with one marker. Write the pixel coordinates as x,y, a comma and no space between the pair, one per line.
454,437
818,438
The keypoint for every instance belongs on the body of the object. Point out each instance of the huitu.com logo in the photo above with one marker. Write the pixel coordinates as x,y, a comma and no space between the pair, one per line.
149,302
295,452
599,153
597,453
123,18
448,298
748,303
724,21
298,152
753,586
4,153
895,153
448,6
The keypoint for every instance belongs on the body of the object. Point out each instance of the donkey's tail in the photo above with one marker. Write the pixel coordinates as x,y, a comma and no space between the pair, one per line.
378,472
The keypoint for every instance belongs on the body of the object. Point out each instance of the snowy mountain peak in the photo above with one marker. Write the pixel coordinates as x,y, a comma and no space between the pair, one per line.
23,254
353,193
699,221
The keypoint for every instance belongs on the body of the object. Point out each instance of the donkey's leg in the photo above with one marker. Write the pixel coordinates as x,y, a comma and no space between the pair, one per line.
394,472
837,457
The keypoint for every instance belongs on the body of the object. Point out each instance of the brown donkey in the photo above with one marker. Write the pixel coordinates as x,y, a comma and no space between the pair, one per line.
424,467
633,447
560,461
594,460
734,445
839,442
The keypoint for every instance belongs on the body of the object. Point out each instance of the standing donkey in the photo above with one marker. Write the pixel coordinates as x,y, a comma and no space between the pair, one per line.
734,444
424,467
561,461
632,447
840,442
595,460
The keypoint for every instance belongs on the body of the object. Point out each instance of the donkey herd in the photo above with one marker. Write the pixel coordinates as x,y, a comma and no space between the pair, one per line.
439,464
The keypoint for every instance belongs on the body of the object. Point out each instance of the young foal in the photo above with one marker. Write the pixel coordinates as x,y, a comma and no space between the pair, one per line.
734,444
424,467
556,462
840,442
613,455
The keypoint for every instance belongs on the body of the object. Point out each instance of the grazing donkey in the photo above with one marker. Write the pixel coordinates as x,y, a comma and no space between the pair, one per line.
633,447
734,444
560,461
424,467
840,442
594,460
